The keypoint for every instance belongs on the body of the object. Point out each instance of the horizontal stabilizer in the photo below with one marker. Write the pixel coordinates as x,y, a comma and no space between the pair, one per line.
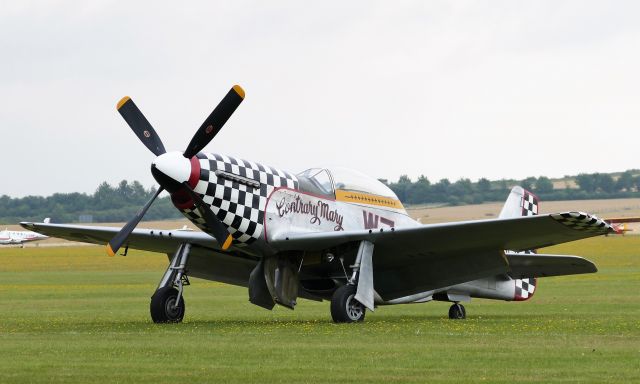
541,265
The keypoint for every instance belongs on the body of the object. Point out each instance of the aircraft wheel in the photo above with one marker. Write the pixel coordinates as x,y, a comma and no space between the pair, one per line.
344,306
163,306
457,312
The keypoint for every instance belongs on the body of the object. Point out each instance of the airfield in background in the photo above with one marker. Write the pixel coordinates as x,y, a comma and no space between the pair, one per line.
425,214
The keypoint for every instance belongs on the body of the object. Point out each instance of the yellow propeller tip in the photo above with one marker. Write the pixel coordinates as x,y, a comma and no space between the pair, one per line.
110,251
239,91
122,101
227,243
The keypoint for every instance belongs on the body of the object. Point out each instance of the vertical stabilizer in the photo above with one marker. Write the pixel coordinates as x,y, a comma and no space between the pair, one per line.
520,203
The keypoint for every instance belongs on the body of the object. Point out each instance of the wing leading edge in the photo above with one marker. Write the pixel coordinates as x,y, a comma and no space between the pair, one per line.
164,241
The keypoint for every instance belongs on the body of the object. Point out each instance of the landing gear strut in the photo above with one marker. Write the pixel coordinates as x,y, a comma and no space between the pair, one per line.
167,304
457,312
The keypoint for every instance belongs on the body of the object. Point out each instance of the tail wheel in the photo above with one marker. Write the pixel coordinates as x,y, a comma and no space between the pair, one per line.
457,312
165,307
344,306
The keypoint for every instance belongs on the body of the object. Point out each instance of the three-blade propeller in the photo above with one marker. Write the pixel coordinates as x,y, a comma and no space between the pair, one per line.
203,136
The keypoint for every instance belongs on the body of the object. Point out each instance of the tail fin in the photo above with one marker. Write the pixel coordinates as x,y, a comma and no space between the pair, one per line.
47,220
521,203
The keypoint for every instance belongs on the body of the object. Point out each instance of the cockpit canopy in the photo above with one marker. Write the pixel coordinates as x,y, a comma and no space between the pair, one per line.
326,181
316,181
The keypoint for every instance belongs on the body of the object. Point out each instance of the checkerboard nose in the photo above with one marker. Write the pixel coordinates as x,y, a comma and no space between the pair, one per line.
174,166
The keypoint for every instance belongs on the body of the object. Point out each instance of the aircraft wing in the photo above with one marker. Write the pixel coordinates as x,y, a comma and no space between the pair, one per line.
412,260
541,265
164,241
206,260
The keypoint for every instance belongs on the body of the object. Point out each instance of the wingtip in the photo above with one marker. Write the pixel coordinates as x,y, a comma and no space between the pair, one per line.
239,91
122,101
110,251
27,224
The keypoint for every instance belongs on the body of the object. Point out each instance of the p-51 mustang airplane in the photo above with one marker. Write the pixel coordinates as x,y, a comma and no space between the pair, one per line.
327,234
8,237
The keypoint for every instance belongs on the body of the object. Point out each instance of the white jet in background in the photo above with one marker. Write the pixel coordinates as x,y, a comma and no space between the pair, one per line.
8,237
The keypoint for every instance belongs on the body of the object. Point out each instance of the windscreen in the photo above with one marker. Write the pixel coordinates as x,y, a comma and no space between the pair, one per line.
350,180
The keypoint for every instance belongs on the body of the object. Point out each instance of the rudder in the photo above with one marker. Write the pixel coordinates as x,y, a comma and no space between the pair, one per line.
521,203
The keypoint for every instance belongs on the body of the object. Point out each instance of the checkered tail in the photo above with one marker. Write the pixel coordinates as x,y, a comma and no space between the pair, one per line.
521,202
525,288
529,204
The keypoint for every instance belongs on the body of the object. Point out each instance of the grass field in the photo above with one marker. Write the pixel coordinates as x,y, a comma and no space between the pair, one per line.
75,315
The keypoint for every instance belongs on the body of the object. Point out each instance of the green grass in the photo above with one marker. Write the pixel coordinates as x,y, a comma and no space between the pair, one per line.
75,315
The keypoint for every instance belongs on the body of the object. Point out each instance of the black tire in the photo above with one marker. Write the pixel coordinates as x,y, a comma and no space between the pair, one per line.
162,307
344,306
457,312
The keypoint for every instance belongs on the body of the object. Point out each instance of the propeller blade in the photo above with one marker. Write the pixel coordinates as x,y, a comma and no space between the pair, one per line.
212,125
216,226
114,244
140,125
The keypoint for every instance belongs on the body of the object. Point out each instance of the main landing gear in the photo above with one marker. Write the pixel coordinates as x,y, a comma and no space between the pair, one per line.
457,312
349,302
344,306
167,304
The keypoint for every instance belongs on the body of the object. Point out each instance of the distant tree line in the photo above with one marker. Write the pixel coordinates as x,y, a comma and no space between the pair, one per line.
119,203
464,191
107,204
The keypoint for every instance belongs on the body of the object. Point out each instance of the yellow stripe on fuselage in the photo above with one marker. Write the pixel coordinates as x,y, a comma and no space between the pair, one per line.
367,198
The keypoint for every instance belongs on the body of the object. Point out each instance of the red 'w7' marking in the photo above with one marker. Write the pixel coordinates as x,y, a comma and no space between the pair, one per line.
371,221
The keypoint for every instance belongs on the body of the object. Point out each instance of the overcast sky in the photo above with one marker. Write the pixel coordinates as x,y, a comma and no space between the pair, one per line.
448,89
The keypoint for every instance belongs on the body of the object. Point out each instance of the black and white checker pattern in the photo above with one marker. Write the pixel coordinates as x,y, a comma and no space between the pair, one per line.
241,207
581,221
529,208
525,288
529,204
